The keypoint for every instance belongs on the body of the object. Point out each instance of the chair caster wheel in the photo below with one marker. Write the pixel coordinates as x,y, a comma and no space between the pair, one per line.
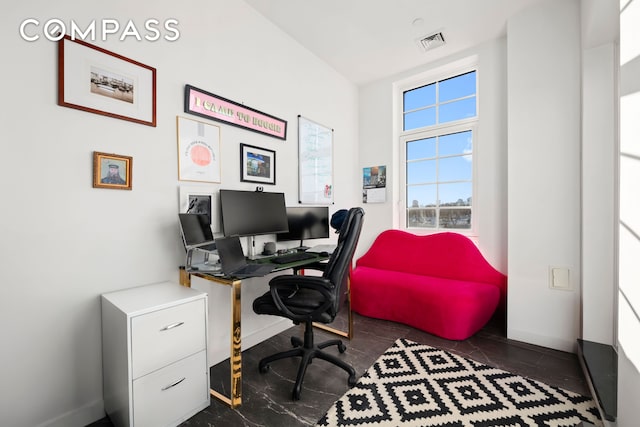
263,369
296,342
296,394
352,380
342,348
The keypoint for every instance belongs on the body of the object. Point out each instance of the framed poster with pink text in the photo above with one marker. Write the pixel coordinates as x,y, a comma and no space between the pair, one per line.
210,106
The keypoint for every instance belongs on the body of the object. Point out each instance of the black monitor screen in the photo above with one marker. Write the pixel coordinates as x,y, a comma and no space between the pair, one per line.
195,228
306,222
249,213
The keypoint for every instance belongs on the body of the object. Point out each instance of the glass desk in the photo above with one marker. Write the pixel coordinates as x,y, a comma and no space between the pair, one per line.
235,354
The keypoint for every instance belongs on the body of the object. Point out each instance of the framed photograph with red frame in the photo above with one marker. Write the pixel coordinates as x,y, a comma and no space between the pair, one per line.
98,81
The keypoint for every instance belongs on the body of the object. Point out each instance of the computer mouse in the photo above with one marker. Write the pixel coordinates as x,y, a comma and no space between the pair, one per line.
324,254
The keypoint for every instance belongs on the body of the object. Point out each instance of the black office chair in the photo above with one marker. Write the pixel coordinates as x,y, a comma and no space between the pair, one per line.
337,219
308,299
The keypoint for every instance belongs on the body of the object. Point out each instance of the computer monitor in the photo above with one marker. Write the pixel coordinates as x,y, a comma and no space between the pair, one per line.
195,229
306,222
250,213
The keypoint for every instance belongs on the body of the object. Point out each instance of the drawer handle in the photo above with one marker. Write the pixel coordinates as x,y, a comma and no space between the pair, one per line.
173,325
174,384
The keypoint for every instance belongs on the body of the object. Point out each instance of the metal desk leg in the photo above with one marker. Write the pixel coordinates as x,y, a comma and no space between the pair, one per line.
235,359
185,278
235,355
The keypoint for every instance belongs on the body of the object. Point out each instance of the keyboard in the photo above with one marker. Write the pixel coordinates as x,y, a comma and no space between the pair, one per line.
292,257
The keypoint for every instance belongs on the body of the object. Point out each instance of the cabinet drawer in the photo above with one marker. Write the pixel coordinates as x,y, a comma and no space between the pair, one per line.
164,336
173,394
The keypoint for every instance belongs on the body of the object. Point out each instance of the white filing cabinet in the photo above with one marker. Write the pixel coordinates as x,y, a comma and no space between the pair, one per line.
154,355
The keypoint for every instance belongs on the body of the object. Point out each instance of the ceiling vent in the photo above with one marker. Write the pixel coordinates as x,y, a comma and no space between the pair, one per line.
431,42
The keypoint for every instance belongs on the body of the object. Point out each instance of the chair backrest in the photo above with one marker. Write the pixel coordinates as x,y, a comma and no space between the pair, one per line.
339,265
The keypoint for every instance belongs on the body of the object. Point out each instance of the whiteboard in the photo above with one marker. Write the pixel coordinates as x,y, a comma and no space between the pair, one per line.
315,162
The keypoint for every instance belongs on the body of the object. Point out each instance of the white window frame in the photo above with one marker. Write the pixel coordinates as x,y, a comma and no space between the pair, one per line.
470,124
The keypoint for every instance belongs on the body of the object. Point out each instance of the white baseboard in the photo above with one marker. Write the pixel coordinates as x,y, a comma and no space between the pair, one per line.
543,341
79,417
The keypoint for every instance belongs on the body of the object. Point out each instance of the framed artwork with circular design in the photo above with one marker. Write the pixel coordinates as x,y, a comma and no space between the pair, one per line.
198,151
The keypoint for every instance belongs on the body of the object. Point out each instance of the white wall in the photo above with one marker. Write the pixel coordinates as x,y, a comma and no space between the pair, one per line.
598,192
64,243
380,146
629,226
543,51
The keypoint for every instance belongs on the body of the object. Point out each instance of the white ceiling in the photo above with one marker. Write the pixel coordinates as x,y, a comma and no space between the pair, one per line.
366,40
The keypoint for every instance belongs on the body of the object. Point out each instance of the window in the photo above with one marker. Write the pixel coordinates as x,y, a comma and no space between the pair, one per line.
438,122
443,101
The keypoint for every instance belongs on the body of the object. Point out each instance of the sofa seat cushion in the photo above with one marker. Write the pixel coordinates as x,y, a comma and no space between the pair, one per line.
450,308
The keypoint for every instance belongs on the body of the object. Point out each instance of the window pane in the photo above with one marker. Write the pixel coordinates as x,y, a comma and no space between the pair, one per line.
420,97
421,218
458,110
421,195
455,194
421,149
455,218
421,172
455,168
457,87
420,118
455,143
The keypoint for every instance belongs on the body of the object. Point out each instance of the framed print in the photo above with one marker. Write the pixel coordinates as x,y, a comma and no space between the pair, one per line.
210,106
257,164
98,81
198,151
201,200
112,171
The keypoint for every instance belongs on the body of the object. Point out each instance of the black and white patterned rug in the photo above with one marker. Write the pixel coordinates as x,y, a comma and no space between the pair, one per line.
416,385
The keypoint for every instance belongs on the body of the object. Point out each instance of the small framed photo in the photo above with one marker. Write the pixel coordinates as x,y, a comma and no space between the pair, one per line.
98,81
257,164
112,171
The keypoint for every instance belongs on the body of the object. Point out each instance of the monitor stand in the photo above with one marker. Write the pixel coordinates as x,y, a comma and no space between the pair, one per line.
302,247
251,243
252,255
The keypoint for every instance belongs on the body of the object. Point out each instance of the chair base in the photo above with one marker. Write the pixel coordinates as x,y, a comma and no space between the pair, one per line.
308,351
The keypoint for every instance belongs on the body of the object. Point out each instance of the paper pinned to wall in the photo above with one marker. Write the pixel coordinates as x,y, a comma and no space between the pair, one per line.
374,183
315,162
374,195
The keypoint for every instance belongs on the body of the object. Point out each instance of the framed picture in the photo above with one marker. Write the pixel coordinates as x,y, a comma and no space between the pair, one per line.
201,200
112,171
210,106
98,81
198,151
257,164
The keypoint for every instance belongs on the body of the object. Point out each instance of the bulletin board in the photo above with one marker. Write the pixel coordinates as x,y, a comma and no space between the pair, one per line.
315,162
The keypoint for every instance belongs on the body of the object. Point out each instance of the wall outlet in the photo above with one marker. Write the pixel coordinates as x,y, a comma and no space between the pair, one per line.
559,278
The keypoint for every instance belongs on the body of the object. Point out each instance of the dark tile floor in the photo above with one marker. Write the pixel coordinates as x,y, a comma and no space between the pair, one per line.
267,397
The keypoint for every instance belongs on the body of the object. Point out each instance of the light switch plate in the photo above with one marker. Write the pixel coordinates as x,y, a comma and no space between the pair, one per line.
559,278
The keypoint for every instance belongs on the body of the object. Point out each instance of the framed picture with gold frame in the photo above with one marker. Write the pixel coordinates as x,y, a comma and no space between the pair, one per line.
112,171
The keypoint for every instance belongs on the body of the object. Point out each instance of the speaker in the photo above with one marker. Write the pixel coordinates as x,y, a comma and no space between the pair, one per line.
269,248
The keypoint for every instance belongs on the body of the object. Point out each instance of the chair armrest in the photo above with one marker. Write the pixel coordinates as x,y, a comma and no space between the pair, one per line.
279,286
318,266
